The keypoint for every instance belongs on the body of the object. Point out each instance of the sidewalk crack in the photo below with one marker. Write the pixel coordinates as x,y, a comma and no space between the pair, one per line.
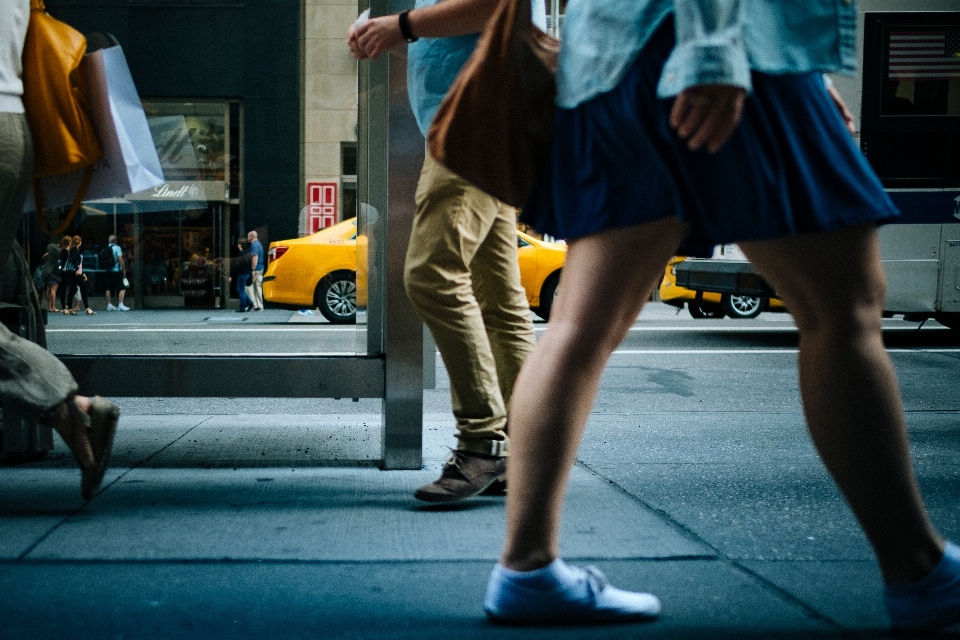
36,543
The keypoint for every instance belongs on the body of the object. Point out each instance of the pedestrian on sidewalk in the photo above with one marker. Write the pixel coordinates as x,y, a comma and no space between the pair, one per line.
461,273
115,271
51,276
657,146
68,273
33,381
80,281
256,275
240,269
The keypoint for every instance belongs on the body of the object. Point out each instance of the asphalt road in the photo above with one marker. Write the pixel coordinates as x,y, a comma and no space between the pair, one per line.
660,328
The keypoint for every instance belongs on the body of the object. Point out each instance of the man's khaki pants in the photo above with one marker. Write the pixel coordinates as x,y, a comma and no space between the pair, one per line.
463,278
255,289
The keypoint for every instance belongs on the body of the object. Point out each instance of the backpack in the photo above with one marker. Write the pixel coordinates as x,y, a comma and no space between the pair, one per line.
107,260
67,266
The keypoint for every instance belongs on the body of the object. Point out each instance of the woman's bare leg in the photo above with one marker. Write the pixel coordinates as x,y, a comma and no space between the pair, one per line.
606,279
834,286
51,297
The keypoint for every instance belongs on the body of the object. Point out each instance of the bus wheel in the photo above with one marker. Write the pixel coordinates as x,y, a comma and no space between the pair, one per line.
742,307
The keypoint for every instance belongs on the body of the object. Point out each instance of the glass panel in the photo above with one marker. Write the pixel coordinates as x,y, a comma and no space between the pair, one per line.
922,71
179,244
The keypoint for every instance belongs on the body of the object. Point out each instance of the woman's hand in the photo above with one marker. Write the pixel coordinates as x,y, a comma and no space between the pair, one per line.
707,114
841,106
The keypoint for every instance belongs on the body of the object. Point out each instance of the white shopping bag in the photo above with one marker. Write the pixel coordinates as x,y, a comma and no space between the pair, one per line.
130,161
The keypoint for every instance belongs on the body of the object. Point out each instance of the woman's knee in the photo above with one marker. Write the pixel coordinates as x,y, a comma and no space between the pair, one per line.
842,318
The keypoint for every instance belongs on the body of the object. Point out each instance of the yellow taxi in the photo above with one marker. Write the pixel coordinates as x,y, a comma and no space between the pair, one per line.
320,270
708,304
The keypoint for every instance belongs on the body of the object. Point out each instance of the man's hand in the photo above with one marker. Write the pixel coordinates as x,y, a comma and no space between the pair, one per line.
376,36
707,114
842,108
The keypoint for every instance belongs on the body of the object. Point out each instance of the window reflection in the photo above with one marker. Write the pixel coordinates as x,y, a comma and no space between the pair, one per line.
922,72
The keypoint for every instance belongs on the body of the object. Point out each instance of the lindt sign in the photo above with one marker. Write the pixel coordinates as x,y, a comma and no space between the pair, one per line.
184,191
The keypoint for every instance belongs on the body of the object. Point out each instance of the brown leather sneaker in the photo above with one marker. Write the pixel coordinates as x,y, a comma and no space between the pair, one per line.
464,475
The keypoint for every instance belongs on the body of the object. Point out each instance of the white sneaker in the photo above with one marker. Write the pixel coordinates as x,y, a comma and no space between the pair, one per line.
110,307
123,307
561,593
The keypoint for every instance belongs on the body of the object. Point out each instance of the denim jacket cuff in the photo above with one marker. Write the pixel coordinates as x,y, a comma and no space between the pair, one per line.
695,64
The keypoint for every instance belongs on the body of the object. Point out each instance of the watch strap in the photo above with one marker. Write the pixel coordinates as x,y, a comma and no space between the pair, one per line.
405,30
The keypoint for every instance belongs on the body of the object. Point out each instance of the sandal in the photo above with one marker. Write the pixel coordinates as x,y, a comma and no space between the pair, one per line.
73,425
89,437
90,312
104,416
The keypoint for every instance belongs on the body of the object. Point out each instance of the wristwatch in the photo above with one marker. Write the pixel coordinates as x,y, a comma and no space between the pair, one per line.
404,20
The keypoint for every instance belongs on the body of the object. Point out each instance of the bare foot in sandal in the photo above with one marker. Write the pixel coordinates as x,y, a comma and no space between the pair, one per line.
87,426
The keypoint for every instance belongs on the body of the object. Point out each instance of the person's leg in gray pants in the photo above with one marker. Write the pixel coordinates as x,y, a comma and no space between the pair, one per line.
33,382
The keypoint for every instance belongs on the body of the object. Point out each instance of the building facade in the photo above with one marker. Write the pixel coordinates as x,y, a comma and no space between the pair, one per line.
253,108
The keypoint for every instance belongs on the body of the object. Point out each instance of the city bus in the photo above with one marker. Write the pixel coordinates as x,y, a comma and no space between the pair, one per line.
907,96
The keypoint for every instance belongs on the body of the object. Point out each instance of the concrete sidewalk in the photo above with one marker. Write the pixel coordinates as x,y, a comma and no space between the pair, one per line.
262,523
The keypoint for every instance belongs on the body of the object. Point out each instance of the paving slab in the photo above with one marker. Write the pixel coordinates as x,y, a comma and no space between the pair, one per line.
361,515
32,503
702,599
849,593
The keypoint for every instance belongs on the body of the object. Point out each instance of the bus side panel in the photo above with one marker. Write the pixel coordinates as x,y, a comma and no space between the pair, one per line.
950,270
911,260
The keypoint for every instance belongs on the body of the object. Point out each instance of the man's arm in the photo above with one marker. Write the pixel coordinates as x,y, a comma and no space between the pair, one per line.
443,20
256,259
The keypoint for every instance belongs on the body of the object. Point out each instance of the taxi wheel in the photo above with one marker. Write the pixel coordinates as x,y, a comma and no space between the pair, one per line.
548,295
742,307
701,311
336,297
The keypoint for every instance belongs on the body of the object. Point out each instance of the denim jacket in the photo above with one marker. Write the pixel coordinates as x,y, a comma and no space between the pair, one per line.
434,63
718,41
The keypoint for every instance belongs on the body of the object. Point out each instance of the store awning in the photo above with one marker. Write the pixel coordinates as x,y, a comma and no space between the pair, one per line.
170,196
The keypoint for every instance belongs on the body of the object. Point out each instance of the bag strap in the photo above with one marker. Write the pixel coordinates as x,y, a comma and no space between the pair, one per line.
38,199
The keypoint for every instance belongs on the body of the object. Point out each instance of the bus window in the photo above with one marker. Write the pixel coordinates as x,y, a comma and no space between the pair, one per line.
922,71
910,119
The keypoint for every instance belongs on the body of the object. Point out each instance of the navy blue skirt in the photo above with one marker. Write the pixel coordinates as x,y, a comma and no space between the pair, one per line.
791,166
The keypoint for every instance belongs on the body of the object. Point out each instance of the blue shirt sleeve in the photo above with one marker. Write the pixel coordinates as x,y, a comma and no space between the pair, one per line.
710,47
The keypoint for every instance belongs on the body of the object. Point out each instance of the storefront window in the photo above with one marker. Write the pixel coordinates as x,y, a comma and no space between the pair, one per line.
176,236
